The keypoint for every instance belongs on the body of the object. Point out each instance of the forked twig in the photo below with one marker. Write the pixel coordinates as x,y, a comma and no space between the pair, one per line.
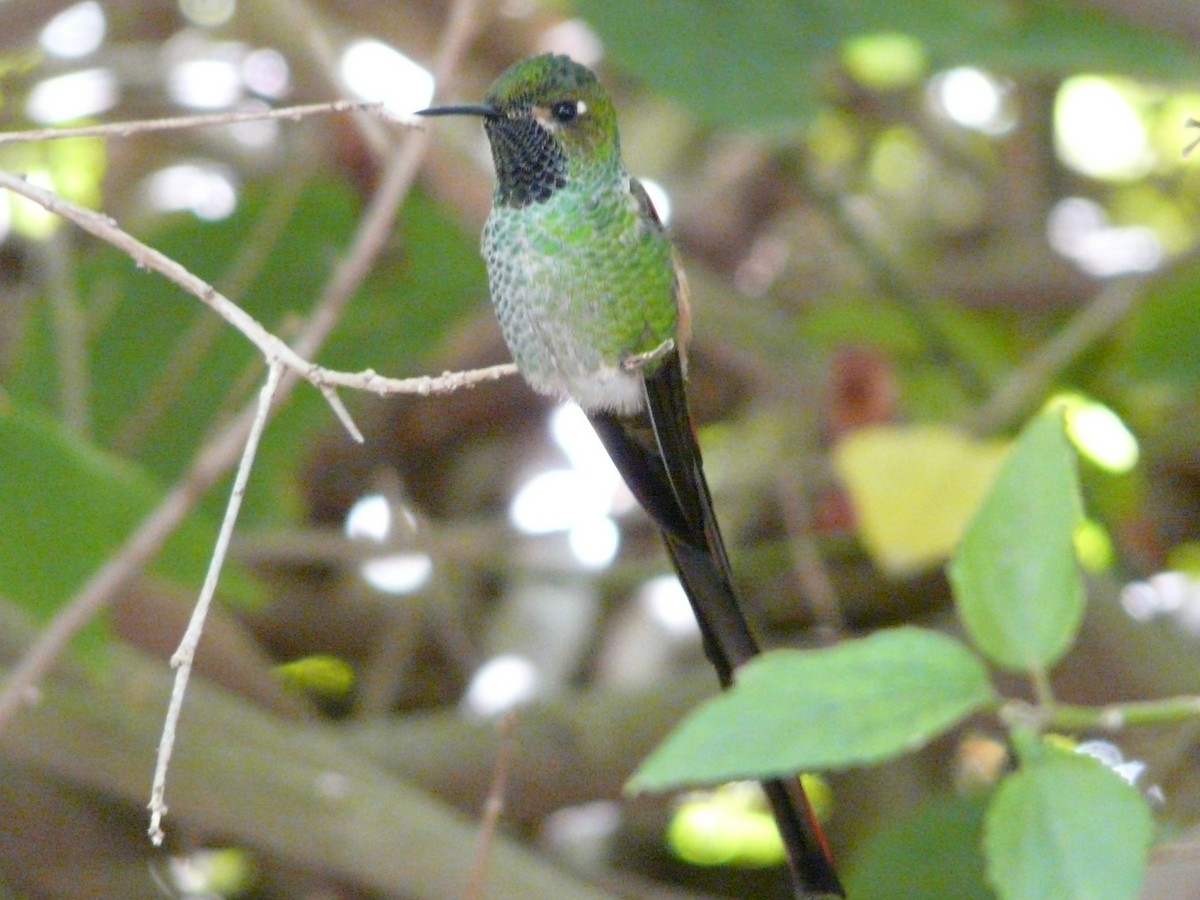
223,449
106,228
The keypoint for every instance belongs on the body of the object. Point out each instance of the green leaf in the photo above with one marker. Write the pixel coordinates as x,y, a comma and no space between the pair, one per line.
323,675
763,62
1066,827
65,505
1016,580
859,702
663,42
932,852
1165,323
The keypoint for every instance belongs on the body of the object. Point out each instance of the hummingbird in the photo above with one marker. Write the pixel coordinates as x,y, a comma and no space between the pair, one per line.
593,305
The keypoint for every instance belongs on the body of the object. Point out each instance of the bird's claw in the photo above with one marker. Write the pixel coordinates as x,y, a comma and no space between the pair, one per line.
639,361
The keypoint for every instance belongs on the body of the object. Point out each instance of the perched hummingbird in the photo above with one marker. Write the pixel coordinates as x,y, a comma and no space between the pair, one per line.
594,306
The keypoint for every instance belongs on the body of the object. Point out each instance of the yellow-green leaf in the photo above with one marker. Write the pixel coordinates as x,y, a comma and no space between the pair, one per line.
914,488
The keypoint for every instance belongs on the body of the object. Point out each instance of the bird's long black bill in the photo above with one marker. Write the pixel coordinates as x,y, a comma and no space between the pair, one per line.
657,454
468,109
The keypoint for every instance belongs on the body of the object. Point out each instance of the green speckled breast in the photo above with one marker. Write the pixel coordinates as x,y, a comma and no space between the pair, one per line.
581,282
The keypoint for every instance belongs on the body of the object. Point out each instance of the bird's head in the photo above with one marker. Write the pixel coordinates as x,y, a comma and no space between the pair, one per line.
548,121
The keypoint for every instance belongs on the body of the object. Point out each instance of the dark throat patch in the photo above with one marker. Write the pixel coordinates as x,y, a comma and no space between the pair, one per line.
530,164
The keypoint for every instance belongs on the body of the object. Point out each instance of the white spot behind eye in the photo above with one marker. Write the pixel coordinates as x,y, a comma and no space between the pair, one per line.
546,117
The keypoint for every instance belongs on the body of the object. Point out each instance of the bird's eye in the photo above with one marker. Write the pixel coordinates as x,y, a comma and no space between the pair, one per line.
566,110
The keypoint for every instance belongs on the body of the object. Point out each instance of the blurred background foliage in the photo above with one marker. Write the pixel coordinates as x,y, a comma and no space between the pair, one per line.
908,227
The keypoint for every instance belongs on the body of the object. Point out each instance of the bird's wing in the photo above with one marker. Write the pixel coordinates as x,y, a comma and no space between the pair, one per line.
657,453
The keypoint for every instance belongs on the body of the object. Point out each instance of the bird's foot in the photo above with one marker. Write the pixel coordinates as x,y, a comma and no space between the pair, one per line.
639,361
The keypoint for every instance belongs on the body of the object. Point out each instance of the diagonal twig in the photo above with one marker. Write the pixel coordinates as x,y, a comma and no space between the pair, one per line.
183,657
106,228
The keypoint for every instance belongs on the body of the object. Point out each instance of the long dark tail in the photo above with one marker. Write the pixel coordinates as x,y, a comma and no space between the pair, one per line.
657,453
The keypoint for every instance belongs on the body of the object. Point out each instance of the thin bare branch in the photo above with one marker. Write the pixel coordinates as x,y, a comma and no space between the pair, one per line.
325,380
184,656
422,385
369,240
176,123
222,451
105,228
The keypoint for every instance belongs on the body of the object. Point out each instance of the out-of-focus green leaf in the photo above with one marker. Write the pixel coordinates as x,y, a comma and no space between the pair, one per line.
1165,330
1065,826
932,852
73,168
736,63
914,488
65,505
757,63
859,702
1015,577
323,675
871,320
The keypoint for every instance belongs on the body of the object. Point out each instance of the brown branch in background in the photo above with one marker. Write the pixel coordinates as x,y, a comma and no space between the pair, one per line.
815,582
376,224
1191,123
70,332
493,807
215,458
1022,388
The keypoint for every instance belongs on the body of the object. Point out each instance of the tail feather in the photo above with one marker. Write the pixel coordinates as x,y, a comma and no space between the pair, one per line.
809,856
657,453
